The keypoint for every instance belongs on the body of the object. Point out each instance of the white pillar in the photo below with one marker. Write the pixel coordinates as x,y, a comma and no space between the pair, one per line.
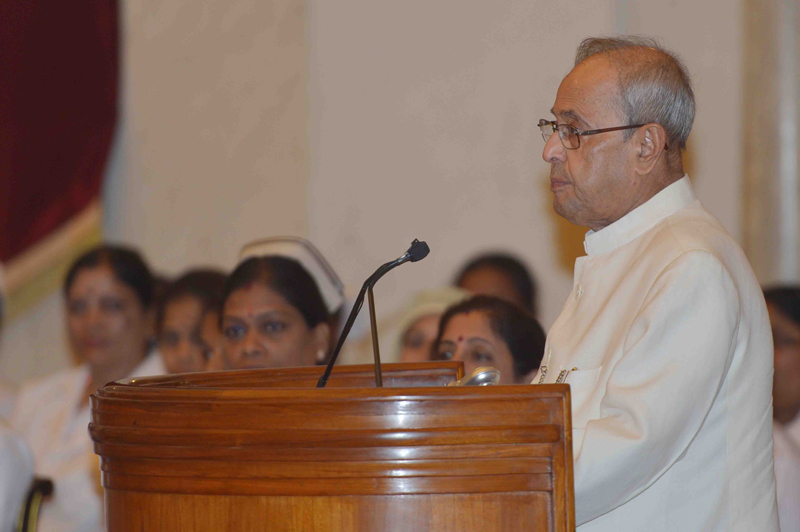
771,143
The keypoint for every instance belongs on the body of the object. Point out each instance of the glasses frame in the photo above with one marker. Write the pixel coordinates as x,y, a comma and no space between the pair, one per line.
577,132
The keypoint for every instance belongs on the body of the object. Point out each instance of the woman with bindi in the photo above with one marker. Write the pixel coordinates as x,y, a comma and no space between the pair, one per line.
187,322
279,307
486,331
109,297
418,322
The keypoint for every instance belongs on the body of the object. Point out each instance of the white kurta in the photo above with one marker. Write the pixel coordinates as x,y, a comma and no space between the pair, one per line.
666,343
16,474
50,417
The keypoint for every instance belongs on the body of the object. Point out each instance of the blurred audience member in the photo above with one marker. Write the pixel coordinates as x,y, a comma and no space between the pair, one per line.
187,321
489,331
16,475
787,479
160,285
7,389
500,275
418,322
16,462
279,306
109,295
2,295
783,304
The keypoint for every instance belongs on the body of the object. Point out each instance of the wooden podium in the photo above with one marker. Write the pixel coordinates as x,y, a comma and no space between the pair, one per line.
264,450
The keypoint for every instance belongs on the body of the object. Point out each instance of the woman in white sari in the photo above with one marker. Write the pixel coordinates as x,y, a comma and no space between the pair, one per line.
109,296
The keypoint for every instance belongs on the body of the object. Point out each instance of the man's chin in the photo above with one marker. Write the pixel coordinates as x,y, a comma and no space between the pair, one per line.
563,210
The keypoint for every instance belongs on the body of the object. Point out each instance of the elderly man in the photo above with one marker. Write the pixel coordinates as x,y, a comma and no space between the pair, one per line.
665,338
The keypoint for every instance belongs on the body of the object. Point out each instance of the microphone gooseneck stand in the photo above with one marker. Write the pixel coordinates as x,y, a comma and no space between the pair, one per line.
418,251
376,351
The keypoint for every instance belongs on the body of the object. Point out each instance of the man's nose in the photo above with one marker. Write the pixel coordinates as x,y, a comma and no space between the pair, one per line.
554,151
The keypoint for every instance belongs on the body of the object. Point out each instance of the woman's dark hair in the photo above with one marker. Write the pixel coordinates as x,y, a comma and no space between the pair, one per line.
787,299
513,268
286,277
519,330
204,285
128,266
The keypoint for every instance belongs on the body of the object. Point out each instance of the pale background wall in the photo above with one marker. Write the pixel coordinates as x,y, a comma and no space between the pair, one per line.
364,123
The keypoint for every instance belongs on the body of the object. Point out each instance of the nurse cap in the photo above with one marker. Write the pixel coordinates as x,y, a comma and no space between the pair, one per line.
302,251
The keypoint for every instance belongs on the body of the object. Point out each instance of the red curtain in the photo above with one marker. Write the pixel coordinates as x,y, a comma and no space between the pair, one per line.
58,102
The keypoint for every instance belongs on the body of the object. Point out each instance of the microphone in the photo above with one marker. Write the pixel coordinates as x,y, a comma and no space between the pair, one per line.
418,251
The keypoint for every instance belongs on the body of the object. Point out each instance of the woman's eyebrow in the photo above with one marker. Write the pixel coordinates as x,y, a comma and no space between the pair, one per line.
269,314
480,340
255,316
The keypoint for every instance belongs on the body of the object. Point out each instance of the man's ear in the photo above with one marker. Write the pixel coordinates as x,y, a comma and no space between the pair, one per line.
650,143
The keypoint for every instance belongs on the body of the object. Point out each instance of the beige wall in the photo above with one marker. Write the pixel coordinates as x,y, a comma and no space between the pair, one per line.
424,126
771,210
365,123
215,118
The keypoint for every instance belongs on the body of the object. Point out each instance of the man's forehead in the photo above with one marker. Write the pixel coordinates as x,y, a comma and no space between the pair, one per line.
588,91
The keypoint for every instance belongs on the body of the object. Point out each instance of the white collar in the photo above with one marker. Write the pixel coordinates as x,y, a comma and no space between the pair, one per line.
668,201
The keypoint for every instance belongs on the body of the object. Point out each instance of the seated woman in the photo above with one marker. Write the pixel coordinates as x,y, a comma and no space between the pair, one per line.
8,392
418,322
279,307
187,321
16,475
783,305
488,331
109,293
500,275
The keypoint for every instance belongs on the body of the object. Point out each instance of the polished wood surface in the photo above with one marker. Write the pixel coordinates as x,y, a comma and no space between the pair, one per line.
355,376
225,451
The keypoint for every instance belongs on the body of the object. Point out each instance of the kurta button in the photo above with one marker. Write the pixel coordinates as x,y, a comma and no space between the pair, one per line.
578,292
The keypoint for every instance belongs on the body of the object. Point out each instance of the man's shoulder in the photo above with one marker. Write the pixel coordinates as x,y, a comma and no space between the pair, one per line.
693,229
694,236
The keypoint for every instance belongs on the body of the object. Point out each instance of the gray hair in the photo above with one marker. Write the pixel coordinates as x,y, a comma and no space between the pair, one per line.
654,85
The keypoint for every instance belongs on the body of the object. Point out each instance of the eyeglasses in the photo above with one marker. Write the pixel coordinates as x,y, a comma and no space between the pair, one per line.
570,136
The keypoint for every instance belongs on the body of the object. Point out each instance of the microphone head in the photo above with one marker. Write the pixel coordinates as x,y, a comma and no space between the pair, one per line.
418,250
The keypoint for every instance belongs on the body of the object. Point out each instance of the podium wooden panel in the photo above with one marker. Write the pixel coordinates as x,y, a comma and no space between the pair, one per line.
262,450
